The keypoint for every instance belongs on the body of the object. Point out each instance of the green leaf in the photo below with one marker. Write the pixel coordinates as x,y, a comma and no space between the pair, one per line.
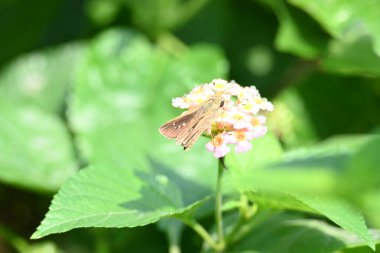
294,234
361,181
304,180
298,33
102,13
336,210
371,206
355,28
352,54
159,16
355,44
39,78
126,85
343,215
122,96
265,150
313,170
36,149
100,196
361,250
338,16
333,153
362,173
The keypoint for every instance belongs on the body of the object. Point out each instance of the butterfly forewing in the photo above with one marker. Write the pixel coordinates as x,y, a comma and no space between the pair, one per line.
177,125
187,139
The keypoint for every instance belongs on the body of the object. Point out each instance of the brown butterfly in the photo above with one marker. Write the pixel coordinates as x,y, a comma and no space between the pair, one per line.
188,127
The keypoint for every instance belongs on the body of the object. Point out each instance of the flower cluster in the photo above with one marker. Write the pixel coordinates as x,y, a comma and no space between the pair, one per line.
239,120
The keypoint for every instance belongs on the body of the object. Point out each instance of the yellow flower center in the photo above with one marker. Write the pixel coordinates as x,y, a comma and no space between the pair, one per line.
258,100
218,141
255,122
199,100
238,117
220,84
240,136
199,90
247,107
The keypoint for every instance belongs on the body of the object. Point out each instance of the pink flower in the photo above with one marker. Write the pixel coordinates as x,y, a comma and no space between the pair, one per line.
218,146
241,139
249,106
243,146
219,85
180,103
259,131
239,120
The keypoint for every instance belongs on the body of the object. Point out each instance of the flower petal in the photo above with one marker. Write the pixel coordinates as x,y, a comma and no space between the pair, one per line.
237,122
180,103
210,147
243,146
221,151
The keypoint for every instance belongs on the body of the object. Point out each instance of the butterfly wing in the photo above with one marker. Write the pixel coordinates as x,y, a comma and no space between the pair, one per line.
174,127
194,130
190,125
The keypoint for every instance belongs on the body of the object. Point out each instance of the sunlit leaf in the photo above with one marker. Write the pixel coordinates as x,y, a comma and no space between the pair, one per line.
338,16
40,79
355,26
352,54
101,196
304,180
265,150
371,206
122,95
36,149
297,34
364,166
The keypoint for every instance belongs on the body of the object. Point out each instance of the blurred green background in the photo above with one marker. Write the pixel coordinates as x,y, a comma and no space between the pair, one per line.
318,61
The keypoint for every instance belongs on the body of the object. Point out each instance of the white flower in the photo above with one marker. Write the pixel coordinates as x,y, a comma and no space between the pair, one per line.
239,122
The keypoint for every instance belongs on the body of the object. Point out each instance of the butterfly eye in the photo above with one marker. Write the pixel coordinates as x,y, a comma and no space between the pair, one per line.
221,104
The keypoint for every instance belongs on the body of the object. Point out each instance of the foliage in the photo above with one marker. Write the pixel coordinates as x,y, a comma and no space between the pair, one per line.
80,121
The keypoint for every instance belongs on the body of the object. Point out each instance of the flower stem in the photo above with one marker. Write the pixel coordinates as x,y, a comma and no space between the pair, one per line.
174,248
202,232
245,213
218,205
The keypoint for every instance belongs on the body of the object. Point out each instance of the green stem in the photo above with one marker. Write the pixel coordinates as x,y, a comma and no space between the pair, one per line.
174,248
174,238
249,224
236,229
202,232
218,205
101,244
245,213
219,244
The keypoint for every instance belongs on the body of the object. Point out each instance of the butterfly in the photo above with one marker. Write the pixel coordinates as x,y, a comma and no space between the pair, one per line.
189,126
